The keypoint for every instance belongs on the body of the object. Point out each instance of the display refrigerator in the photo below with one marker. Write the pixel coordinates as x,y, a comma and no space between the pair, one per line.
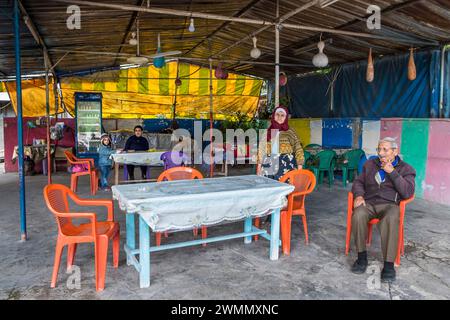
88,111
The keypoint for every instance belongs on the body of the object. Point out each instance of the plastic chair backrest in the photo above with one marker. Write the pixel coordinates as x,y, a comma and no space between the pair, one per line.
180,173
70,157
173,159
307,155
303,181
55,196
353,157
313,145
325,159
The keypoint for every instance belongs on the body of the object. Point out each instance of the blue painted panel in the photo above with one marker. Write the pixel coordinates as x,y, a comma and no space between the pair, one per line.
337,133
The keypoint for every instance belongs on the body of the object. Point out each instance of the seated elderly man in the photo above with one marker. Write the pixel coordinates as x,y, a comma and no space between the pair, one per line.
384,181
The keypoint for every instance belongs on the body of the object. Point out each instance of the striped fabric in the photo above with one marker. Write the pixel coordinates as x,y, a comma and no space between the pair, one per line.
148,92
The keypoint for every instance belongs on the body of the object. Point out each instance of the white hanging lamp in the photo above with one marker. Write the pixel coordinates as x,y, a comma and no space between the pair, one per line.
191,26
255,53
320,60
133,40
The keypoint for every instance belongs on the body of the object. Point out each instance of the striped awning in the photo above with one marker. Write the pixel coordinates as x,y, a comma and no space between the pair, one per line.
149,92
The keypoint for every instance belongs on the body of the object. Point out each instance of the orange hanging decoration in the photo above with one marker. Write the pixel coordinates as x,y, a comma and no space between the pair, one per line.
370,70
411,66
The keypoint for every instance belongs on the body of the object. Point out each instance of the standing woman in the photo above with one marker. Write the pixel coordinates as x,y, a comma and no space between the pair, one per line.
290,155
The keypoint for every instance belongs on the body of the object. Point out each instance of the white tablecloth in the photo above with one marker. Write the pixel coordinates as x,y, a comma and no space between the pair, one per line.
139,158
185,204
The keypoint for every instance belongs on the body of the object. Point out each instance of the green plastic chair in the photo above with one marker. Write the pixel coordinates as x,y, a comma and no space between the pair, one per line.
349,167
308,158
312,146
326,163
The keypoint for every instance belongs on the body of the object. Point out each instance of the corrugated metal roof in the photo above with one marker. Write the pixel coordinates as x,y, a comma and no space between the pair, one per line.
413,23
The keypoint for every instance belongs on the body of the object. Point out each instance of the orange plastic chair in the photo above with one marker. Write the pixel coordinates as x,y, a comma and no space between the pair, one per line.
180,173
91,172
304,182
99,232
401,242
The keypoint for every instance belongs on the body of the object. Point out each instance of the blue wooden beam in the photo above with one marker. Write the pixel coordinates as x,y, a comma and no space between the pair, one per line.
23,212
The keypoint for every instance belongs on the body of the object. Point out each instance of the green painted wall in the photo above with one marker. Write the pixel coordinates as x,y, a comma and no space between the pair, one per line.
414,148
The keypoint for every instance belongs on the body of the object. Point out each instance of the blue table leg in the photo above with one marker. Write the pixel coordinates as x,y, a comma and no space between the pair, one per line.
275,234
131,234
144,253
248,228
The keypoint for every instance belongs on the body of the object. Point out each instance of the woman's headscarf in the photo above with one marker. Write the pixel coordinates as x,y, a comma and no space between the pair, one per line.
275,125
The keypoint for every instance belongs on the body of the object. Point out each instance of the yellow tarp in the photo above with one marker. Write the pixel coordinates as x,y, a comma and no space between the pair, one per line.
149,92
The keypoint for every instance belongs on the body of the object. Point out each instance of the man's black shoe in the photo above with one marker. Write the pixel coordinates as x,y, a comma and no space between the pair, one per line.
388,274
359,266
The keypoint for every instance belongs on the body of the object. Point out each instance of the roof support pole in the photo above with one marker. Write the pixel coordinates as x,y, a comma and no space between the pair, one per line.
441,89
211,119
23,214
47,114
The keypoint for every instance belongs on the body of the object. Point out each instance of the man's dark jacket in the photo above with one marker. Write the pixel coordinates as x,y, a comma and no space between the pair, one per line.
136,143
398,185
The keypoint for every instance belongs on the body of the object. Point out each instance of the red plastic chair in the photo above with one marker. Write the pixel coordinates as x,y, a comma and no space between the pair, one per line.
401,242
91,171
99,232
304,182
180,173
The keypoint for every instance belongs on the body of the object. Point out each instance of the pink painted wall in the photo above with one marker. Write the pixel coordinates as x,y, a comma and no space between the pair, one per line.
10,134
437,181
392,128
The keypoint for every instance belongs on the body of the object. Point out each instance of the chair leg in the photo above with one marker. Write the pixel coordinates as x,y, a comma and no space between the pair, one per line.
286,220
158,238
125,172
348,236
101,255
72,249
73,182
204,234
344,177
305,229
369,235
400,246
116,249
58,253
257,224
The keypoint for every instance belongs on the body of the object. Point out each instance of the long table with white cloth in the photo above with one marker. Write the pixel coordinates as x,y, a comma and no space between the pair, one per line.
187,204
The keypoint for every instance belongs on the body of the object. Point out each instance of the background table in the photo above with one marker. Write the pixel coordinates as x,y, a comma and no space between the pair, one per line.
138,159
187,204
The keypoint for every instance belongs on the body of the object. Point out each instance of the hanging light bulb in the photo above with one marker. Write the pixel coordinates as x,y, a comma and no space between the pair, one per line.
133,40
320,60
255,53
191,26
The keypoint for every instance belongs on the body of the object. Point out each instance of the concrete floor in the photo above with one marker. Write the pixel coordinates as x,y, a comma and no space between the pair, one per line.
229,269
